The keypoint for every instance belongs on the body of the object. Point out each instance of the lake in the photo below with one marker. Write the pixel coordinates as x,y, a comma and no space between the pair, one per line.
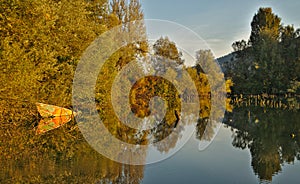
254,144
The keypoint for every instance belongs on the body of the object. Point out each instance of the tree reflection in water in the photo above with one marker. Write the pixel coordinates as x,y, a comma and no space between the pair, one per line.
63,155
60,156
271,134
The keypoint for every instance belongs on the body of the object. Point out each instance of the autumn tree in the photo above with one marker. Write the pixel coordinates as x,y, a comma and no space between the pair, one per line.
168,49
41,43
127,13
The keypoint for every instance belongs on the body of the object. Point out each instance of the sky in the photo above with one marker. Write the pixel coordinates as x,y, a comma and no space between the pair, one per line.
219,22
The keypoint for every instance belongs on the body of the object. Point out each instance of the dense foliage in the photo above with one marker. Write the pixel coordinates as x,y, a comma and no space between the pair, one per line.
270,61
42,42
40,46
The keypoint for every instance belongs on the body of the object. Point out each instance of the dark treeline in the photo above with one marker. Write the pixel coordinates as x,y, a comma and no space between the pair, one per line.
269,62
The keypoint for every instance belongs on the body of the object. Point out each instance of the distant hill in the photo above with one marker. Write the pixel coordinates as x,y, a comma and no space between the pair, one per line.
227,61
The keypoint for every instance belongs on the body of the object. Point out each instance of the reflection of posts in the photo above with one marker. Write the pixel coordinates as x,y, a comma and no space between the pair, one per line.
177,118
113,172
270,141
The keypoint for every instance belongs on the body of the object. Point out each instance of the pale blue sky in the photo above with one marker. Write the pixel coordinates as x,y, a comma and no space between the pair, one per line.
219,22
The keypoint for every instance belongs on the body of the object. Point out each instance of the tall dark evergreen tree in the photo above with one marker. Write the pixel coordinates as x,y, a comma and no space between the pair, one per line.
268,63
264,24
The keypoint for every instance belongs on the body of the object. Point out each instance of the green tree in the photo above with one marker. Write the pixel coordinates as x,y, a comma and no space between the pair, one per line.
268,63
239,45
289,52
264,23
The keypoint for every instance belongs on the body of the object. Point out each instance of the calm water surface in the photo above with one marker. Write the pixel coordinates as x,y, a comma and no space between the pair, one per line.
255,144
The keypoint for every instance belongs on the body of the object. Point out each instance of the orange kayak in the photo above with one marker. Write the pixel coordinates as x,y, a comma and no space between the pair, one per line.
52,117
47,111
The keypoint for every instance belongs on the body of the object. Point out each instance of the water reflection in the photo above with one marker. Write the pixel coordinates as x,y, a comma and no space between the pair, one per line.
272,135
